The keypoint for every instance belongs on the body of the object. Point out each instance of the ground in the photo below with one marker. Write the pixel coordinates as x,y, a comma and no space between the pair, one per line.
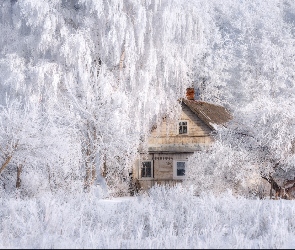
166,218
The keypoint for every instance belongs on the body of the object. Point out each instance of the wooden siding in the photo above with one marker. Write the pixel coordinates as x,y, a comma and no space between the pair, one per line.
162,168
166,137
166,146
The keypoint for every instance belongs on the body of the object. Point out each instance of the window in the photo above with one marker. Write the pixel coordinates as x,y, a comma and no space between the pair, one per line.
146,169
179,169
182,127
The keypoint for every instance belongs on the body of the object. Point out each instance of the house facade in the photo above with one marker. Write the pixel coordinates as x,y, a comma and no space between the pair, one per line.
171,143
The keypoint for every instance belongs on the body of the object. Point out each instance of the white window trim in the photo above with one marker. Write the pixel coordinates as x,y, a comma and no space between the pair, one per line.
186,126
152,170
175,170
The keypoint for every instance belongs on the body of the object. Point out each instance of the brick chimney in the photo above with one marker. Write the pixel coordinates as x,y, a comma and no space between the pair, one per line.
190,93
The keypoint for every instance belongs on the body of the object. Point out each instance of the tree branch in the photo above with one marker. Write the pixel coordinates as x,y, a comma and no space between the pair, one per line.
5,163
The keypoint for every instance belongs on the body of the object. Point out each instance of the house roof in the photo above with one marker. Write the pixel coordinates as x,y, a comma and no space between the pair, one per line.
211,114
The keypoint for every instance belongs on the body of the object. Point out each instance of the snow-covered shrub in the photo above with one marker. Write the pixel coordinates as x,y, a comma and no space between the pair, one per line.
167,218
220,168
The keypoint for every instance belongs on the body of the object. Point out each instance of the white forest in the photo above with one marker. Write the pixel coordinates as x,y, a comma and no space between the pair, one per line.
82,82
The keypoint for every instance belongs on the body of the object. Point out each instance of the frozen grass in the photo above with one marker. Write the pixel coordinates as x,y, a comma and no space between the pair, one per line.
167,218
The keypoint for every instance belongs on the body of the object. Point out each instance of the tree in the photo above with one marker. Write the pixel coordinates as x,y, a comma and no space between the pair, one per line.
33,148
258,143
110,69
254,54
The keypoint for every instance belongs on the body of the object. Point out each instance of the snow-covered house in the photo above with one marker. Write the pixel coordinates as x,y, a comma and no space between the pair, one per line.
171,143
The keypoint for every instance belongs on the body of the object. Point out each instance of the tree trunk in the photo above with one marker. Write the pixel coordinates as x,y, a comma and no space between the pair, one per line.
270,193
93,173
273,186
18,173
104,170
91,139
88,176
122,58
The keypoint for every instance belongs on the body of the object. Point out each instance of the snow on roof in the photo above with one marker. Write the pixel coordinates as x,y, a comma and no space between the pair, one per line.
209,113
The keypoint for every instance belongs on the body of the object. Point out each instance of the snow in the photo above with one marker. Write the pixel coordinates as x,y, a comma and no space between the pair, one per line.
68,111
115,200
166,218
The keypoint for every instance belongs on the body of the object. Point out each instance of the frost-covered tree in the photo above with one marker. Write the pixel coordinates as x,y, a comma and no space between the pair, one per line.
258,144
109,69
32,150
256,51
250,48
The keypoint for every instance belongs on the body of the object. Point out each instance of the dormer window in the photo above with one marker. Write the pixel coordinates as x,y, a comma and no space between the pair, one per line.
182,127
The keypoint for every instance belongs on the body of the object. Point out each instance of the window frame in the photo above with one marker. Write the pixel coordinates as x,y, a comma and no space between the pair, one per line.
175,176
178,126
152,170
